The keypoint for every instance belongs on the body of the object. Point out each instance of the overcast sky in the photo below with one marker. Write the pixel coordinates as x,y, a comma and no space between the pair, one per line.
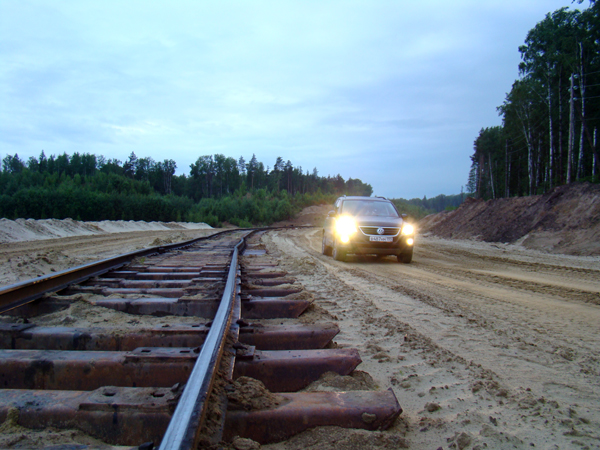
391,92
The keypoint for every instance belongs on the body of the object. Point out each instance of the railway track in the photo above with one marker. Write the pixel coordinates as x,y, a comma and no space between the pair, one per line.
187,379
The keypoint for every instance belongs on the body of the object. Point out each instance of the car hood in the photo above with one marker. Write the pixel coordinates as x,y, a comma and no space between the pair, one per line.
378,221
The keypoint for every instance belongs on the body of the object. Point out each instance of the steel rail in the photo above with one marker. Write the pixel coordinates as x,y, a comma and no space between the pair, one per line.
24,292
184,428
183,432
19,294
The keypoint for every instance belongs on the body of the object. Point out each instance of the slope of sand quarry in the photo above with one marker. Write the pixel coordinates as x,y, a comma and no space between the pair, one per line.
565,220
30,230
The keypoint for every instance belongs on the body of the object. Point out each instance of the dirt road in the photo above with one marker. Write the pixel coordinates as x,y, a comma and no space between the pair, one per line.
485,345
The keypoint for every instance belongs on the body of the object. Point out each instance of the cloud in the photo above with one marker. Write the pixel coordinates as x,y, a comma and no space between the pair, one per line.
390,92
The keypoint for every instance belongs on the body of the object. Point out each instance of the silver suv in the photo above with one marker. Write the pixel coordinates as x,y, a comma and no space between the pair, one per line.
367,225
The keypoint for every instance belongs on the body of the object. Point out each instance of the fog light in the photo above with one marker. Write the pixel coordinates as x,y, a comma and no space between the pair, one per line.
345,239
410,241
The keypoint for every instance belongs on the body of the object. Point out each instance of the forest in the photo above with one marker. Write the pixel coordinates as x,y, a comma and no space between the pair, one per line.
218,189
548,135
417,208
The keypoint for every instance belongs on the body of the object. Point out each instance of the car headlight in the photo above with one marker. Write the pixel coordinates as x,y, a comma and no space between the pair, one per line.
345,227
407,229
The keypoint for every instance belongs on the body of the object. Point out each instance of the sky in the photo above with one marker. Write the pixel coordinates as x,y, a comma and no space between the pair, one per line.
391,92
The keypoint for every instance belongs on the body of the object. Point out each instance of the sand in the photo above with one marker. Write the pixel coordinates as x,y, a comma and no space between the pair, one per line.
21,230
485,345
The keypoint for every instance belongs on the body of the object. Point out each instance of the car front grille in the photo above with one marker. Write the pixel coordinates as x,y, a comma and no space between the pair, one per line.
387,231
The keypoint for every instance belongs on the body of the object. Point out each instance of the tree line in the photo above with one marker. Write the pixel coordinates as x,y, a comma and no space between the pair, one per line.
548,135
417,208
218,189
217,176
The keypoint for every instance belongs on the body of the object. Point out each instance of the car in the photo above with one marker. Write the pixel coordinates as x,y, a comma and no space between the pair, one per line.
367,226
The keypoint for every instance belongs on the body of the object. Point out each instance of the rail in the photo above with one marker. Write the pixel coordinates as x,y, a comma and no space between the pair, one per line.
183,430
19,294
24,292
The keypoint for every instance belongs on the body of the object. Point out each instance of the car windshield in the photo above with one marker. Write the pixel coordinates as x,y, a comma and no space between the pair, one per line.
368,208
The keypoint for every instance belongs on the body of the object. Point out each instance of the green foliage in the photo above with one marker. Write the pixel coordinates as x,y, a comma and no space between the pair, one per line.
414,212
550,116
417,208
90,188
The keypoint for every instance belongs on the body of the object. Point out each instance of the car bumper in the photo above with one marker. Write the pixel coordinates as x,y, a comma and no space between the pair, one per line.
362,246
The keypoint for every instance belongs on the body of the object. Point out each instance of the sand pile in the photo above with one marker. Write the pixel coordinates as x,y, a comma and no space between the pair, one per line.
564,220
30,230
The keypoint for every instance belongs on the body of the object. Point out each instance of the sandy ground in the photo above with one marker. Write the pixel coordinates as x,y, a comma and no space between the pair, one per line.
31,230
485,345
33,258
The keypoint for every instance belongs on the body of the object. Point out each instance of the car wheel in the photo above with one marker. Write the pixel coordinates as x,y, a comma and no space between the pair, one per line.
325,249
338,253
406,257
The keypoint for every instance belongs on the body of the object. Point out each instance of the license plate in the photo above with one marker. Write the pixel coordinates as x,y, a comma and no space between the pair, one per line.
381,238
